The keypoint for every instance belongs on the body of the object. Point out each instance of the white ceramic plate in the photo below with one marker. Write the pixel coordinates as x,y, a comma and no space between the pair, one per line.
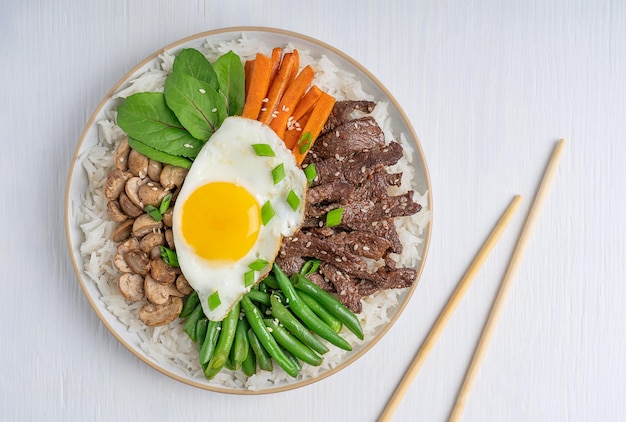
78,184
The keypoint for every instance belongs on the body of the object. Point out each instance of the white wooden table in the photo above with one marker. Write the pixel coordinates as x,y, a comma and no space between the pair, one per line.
489,87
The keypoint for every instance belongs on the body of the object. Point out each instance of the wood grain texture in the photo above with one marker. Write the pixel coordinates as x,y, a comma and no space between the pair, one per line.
489,86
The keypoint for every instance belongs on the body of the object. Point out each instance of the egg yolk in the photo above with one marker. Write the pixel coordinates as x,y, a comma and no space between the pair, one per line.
221,221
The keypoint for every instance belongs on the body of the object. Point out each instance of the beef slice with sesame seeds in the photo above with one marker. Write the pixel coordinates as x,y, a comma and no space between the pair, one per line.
349,138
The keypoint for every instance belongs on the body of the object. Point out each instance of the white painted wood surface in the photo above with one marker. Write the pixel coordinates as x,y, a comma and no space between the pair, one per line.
489,86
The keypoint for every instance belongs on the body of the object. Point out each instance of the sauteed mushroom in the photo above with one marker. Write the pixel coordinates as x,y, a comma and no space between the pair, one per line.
145,224
138,164
115,184
131,286
155,315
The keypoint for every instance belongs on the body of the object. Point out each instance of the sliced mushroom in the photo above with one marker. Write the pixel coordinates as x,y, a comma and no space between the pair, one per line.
131,286
115,212
121,155
155,252
158,293
149,241
169,238
122,231
128,206
172,176
138,164
115,184
154,170
151,193
167,216
154,315
183,285
161,272
120,257
145,224
132,190
138,261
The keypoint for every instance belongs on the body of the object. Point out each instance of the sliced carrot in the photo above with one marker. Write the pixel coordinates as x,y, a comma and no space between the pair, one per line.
313,126
259,85
279,85
296,66
277,56
248,69
288,102
307,102
294,131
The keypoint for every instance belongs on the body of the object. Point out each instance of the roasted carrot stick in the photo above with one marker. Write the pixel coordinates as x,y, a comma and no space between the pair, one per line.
294,130
296,66
248,69
259,85
277,56
307,102
277,89
288,102
313,126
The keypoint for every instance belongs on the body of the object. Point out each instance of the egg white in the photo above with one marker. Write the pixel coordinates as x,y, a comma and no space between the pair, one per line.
228,156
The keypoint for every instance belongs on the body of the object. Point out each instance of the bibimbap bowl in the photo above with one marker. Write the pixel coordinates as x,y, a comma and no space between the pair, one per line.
168,348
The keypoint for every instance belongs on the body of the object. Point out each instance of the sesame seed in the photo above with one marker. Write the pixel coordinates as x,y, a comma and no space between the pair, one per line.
214,110
154,189
363,169
366,248
338,259
355,247
202,91
263,109
265,100
188,146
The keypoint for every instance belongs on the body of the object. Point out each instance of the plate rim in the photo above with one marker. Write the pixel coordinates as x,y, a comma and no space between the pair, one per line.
79,272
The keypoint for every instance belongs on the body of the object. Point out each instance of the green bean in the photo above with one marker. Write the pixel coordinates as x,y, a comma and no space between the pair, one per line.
190,304
201,328
331,303
291,358
292,344
259,296
210,340
263,358
321,312
255,319
271,282
192,321
239,350
282,314
306,314
248,366
224,343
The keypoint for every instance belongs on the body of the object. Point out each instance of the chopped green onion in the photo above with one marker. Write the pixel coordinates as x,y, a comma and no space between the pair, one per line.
310,267
258,265
293,200
263,150
278,173
248,278
169,256
311,173
153,212
165,203
214,300
267,213
305,142
333,217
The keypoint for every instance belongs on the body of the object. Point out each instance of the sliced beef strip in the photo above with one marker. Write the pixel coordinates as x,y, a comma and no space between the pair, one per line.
358,167
342,112
345,286
384,228
349,138
329,192
305,245
361,243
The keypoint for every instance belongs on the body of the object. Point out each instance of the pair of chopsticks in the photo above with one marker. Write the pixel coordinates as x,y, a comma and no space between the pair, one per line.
464,284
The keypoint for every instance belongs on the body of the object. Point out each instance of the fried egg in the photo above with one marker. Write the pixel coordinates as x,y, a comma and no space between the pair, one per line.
242,194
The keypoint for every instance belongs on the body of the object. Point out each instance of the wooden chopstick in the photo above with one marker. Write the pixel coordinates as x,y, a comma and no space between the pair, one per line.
449,309
507,281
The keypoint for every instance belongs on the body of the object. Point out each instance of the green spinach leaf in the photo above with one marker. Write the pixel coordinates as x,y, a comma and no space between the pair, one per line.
194,63
157,155
231,77
197,105
146,117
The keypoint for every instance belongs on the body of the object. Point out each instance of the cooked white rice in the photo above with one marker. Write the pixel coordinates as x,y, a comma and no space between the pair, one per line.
169,346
